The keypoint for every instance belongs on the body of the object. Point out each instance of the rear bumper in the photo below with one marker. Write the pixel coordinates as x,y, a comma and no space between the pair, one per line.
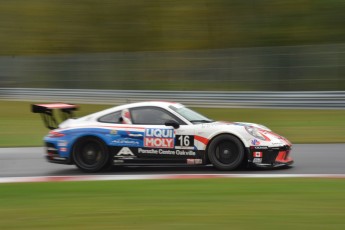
53,155
270,157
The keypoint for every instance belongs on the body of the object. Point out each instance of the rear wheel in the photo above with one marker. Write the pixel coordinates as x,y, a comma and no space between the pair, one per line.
226,152
91,154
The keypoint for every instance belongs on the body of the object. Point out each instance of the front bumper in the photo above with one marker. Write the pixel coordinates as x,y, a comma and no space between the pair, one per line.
270,157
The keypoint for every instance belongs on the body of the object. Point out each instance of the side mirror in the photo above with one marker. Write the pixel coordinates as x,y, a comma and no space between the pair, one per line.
172,123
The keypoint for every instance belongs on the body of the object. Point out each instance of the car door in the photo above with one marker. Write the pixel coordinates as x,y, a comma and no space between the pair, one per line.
161,142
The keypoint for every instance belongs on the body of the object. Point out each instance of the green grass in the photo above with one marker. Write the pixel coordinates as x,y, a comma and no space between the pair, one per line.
20,127
175,204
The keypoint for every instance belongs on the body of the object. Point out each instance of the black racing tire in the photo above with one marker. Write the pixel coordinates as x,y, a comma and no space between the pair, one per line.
226,152
90,154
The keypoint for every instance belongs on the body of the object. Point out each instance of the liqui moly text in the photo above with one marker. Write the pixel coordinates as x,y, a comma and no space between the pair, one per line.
159,138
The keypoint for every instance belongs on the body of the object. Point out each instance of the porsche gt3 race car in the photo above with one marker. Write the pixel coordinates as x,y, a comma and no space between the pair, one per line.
157,133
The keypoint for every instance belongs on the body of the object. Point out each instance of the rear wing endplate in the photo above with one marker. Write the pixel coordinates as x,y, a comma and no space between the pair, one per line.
52,118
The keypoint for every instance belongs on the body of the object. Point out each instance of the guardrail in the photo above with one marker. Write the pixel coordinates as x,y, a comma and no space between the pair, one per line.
215,99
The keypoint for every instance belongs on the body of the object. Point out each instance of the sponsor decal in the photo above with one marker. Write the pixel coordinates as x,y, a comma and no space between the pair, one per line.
185,153
63,149
255,142
148,151
276,143
159,138
257,160
194,161
62,144
130,134
259,147
125,152
126,142
210,125
257,154
113,132
167,152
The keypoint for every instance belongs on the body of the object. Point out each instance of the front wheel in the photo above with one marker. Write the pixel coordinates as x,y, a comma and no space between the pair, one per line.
226,152
91,154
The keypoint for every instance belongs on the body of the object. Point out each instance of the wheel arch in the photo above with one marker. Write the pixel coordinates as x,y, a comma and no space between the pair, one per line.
81,137
245,159
100,158
236,134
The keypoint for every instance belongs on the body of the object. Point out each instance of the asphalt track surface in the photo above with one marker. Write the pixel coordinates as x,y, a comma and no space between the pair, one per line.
309,159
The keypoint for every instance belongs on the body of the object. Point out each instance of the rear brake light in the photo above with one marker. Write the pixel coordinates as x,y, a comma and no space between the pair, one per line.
55,134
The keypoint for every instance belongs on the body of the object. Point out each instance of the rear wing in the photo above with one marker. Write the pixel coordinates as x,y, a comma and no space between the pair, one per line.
52,118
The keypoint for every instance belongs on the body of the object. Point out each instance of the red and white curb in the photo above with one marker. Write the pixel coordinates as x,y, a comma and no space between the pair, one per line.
158,177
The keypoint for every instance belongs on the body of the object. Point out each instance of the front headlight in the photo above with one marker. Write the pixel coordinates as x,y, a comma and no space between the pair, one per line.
254,132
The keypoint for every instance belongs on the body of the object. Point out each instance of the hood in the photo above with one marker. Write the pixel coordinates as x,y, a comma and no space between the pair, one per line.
244,124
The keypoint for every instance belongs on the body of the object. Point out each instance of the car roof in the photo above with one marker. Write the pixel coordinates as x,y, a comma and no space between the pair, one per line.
162,104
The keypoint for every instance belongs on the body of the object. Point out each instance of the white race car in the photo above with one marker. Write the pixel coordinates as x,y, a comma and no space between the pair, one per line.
157,133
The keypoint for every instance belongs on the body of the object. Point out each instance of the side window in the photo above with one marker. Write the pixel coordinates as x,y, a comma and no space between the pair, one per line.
151,116
111,118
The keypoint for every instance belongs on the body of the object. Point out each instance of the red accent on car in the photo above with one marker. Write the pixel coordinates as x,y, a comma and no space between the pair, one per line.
55,134
202,139
266,137
283,157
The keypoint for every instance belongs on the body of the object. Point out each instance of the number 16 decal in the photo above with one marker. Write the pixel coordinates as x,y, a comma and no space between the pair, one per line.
184,142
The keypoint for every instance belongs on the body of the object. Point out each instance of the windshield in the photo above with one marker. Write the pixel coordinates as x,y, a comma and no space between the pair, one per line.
191,115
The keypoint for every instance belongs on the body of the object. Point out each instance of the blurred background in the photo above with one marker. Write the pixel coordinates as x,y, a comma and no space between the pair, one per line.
173,45
232,48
